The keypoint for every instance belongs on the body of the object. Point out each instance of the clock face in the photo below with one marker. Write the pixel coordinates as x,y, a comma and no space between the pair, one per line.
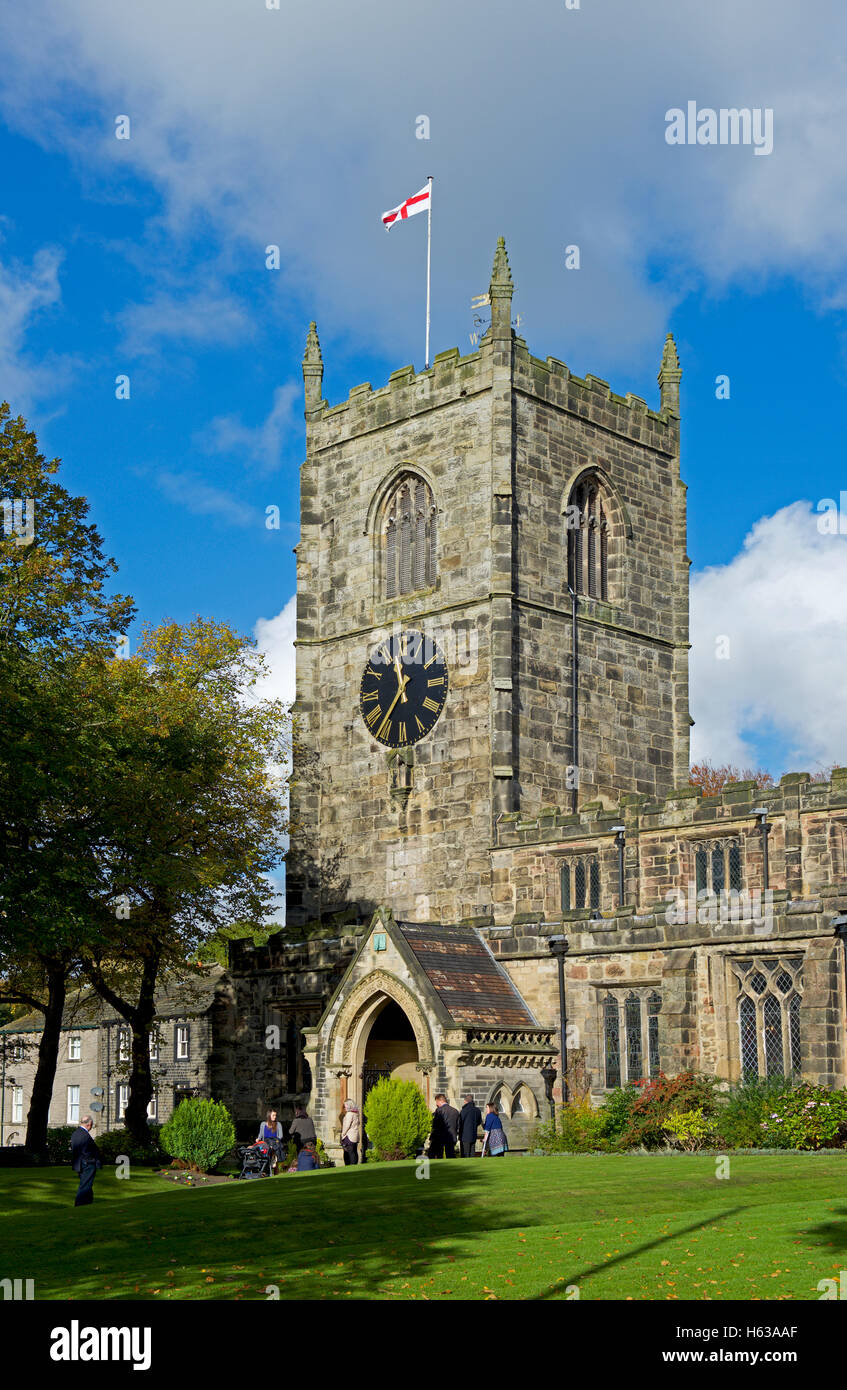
403,689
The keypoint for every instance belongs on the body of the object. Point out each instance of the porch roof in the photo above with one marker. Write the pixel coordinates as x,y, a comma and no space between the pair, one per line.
471,984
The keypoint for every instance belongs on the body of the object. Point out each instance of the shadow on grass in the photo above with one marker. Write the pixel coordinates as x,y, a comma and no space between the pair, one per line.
557,1290
337,1234
831,1233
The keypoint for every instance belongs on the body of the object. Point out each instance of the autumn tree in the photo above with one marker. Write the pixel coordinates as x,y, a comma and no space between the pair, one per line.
54,609
712,779
187,821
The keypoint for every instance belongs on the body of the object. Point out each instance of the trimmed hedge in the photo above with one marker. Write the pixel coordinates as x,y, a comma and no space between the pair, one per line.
199,1132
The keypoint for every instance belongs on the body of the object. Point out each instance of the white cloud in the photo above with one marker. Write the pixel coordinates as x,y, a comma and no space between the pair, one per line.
199,497
24,292
201,318
296,127
275,640
262,445
780,602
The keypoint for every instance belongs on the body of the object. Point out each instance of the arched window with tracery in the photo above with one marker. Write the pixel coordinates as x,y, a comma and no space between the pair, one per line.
409,537
587,521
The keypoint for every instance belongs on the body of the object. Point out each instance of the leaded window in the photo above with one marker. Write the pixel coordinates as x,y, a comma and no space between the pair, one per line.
579,883
636,1015
717,866
409,537
769,993
588,539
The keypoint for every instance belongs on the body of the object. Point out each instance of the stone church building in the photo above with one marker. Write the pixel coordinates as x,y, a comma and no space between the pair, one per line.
493,753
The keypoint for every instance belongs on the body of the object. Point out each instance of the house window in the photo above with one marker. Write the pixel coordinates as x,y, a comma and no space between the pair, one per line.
153,1109
124,1041
182,1042
73,1105
768,1001
635,1017
154,1047
17,1105
579,883
717,866
122,1100
588,538
409,537
75,1049
17,1052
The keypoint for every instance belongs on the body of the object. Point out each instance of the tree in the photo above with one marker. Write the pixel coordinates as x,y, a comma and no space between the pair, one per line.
711,779
53,608
397,1118
187,820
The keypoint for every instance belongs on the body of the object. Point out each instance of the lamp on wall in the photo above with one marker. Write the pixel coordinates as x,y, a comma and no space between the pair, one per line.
762,813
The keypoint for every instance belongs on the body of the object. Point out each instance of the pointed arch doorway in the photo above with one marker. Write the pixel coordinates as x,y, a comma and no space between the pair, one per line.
389,1051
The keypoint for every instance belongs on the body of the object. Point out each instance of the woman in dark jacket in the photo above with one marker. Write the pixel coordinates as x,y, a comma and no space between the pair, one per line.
302,1129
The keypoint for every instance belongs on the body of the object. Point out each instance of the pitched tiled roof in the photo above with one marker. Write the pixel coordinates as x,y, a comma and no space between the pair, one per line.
474,989
85,1009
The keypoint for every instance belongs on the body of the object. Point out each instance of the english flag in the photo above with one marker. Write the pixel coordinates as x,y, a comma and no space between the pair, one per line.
419,202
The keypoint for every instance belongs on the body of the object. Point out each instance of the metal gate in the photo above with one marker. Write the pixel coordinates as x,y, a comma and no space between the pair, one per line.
370,1076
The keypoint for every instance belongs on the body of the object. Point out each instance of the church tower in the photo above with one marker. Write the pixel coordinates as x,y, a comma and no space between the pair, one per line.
492,618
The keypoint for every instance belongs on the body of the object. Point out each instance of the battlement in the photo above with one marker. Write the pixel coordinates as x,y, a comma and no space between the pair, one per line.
452,376
685,806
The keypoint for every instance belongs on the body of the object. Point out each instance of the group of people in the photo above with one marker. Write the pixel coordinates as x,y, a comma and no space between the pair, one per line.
301,1130
452,1127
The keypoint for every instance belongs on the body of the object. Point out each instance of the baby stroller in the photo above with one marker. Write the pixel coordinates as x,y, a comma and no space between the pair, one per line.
256,1160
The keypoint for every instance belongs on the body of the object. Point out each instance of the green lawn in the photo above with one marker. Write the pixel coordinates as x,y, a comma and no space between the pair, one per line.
616,1227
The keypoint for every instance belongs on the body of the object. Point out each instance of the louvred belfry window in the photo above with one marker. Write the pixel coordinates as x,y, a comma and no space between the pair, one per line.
588,539
409,537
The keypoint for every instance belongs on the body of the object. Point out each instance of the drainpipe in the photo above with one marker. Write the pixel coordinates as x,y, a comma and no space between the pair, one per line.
3,1097
574,701
840,925
619,832
762,813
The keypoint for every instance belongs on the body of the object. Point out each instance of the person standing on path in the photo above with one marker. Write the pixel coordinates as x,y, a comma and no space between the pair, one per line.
351,1131
85,1160
445,1129
302,1129
470,1119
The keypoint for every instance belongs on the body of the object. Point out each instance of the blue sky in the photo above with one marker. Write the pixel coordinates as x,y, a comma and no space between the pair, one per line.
250,127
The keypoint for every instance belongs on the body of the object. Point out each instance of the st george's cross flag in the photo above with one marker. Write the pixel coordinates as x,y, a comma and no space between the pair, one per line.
419,202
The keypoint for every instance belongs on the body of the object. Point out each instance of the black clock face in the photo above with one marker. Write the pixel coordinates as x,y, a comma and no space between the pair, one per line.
403,689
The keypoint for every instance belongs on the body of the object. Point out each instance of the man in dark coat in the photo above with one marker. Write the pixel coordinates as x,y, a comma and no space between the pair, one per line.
85,1160
470,1119
445,1129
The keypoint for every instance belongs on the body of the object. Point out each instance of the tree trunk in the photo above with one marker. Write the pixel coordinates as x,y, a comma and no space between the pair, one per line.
140,1018
48,1057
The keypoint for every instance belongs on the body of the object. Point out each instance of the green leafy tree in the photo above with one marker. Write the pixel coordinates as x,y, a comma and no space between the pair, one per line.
54,608
397,1118
188,817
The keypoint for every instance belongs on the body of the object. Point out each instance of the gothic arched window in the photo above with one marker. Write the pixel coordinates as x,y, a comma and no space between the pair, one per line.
587,520
409,537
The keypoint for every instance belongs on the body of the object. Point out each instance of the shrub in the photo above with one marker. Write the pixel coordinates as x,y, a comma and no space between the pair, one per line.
616,1110
809,1117
119,1141
59,1143
579,1129
661,1097
199,1132
396,1118
738,1121
689,1128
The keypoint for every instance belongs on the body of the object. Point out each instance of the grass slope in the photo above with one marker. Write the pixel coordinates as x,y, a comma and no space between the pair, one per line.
615,1227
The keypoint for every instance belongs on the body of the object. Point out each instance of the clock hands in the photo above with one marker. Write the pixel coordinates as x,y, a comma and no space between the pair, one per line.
402,680
401,690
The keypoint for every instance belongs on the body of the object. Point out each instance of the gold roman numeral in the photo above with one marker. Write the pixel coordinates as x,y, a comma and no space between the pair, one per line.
430,704
384,727
421,729
402,734
436,680
374,715
370,695
427,664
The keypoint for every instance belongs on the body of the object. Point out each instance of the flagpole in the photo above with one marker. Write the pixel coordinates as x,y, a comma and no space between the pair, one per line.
428,263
